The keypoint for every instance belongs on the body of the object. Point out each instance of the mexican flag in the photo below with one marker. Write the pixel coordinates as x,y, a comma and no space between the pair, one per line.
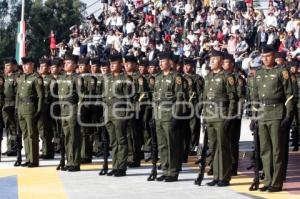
20,48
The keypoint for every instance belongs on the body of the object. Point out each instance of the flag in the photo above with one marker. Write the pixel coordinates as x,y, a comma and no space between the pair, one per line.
20,47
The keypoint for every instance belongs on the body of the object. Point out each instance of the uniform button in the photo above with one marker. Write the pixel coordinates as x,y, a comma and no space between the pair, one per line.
274,105
210,106
264,85
209,98
109,97
160,89
110,89
263,95
210,89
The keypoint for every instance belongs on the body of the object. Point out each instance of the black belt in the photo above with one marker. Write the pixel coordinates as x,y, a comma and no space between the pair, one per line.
269,102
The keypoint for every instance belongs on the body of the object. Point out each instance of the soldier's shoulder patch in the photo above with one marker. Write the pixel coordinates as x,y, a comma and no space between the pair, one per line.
230,80
178,80
141,81
285,74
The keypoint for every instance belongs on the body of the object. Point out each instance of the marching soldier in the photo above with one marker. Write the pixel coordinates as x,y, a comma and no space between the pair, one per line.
116,96
280,59
219,108
29,101
2,80
44,126
68,98
169,91
235,128
273,90
8,111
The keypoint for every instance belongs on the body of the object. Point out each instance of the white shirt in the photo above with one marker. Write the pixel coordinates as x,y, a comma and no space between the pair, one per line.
130,27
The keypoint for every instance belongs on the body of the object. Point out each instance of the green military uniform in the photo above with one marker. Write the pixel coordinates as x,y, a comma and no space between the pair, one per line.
220,102
116,124
44,123
8,111
296,85
68,98
272,87
29,101
169,89
87,87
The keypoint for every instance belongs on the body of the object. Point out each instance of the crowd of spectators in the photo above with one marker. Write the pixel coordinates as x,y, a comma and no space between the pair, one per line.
189,28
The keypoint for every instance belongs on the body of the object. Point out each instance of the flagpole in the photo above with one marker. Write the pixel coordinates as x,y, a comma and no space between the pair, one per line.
23,10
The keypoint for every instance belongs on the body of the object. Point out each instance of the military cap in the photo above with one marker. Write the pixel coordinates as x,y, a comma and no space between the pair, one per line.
115,57
104,63
95,61
164,55
143,61
84,60
26,60
154,62
268,49
130,58
228,56
56,62
216,53
280,55
189,60
44,61
70,56
10,60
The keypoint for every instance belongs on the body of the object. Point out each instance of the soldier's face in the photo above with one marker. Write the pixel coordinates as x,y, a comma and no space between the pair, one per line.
151,69
187,68
129,67
268,59
9,68
94,69
115,67
28,68
227,65
69,66
54,70
142,70
215,63
82,68
104,69
293,69
44,69
164,64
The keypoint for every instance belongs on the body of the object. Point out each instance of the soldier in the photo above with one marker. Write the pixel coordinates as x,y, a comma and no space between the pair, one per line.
219,108
235,128
134,134
55,70
87,89
8,111
44,126
68,98
295,77
29,101
195,87
116,96
168,95
145,107
273,90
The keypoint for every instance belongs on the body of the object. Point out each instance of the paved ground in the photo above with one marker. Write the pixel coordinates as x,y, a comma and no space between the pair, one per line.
47,183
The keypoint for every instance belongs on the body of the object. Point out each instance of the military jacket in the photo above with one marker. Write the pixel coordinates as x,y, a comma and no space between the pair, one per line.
273,89
10,89
219,97
30,95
